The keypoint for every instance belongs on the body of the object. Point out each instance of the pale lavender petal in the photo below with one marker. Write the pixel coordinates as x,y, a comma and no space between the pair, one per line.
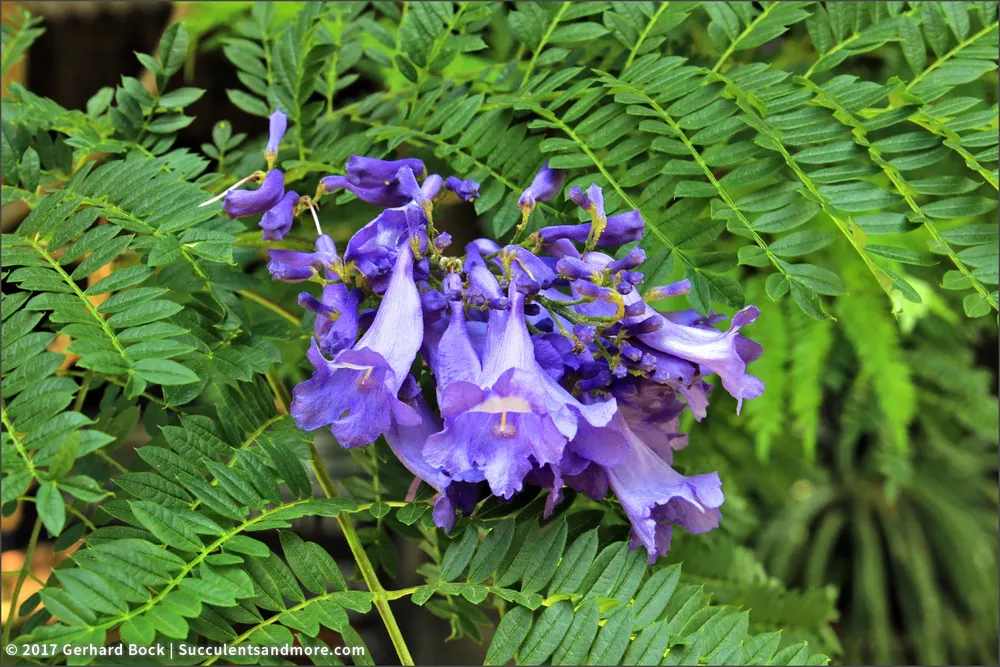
500,433
654,496
621,229
341,333
452,356
356,393
407,443
716,351
397,330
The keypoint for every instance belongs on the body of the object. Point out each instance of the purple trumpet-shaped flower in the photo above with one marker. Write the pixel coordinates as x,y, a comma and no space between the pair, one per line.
606,232
497,426
505,412
291,266
240,203
514,418
421,194
635,257
655,496
407,443
678,354
375,181
585,332
562,248
466,190
576,269
544,186
356,393
666,291
484,288
526,266
682,376
651,411
277,221
498,433
724,353
450,352
278,123
337,316
373,248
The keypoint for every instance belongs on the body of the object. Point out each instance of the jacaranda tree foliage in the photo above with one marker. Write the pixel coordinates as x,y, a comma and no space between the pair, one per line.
513,257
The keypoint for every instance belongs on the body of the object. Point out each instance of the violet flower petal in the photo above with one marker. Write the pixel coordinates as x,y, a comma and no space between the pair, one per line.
278,123
407,443
240,203
356,393
375,181
654,496
277,221
466,190
292,266
544,186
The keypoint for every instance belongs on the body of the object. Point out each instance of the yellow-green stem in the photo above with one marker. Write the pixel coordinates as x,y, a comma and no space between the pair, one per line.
381,597
25,569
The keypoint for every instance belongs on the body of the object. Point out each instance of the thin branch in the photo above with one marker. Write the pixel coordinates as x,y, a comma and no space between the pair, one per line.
25,569
545,38
381,598
645,33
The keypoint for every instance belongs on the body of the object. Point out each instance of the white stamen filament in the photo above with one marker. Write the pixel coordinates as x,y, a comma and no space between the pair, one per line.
228,190
312,209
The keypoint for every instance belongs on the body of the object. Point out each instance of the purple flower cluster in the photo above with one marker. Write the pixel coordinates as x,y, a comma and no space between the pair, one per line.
549,367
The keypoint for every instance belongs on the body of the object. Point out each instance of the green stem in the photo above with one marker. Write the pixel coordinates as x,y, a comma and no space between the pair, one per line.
902,187
381,596
845,223
114,380
750,26
25,569
599,164
709,174
252,438
392,595
69,508
270,305
645,33
110,461
88,377
17,443
83,297
278,389
951,54
843,45
401,593
545,38
331,77
440,41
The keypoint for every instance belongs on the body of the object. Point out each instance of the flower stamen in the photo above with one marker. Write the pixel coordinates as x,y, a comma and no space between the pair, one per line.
256,176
